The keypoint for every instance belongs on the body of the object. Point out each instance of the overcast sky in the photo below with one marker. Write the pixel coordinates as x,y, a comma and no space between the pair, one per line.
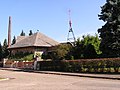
50,17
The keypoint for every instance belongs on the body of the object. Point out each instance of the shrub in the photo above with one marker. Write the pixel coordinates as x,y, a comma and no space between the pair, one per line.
28,57
109,65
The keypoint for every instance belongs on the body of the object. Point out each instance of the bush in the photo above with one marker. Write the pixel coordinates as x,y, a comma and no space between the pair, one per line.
1,64
28,57
50,65
22,56
109,65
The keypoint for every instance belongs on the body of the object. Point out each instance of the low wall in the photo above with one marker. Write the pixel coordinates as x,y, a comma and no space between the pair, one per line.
18,64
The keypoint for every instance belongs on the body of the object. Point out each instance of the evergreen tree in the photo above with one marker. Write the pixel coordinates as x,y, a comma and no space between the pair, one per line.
4,49
110,32
14,40
30,33
1,56
22,33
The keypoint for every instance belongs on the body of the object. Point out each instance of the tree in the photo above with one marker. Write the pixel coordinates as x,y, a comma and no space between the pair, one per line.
87,47
94,40
59,52
88,43
78,49
110,32
4,49
30,33
14,40
22,33
90,52
1,52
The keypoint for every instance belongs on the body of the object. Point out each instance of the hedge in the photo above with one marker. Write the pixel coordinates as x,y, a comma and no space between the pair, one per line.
1,64
103,65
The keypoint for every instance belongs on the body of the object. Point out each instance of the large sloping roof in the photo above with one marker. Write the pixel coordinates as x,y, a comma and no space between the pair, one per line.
38,39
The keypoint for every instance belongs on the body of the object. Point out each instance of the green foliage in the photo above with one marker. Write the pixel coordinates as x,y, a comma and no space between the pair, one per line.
28,57
14,40
106,65
1,52
22,56
93,40
90,52
87,47
60,52
22,33
78,49
110,32
50,65
4,49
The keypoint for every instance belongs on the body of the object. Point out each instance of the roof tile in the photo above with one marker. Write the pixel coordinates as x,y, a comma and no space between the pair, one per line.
37,39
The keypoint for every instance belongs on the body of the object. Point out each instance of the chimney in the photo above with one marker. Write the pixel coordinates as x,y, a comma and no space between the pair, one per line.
9,32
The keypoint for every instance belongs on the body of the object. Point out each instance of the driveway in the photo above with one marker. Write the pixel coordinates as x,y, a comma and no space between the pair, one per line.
37,81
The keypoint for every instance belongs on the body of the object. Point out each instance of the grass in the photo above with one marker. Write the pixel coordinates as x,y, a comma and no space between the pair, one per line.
1,78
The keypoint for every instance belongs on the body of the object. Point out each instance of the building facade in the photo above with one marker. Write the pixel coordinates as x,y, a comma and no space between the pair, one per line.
37,44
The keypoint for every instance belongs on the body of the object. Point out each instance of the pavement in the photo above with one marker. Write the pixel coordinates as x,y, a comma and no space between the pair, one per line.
101,76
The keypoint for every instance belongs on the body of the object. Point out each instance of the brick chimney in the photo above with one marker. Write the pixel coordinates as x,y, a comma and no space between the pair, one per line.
9,32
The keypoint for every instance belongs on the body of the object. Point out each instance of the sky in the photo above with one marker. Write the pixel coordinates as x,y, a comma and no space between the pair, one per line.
50,17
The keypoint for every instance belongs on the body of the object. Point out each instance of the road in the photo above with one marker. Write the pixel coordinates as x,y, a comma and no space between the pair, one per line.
37,81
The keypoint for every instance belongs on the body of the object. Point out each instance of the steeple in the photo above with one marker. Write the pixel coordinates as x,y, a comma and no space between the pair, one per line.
9,32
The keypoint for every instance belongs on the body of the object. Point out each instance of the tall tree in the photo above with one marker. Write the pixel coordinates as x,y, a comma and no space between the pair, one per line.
110,32
88,44
4,49
14,40
59,52
1,56
22,33
94,40
30,33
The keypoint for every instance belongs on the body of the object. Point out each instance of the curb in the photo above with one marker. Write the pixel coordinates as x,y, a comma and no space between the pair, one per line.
64,73
71,74
77,75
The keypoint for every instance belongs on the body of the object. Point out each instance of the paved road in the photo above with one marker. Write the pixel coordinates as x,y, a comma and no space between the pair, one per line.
37,81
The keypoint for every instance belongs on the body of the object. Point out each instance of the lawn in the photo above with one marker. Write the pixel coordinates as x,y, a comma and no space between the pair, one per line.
1,78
